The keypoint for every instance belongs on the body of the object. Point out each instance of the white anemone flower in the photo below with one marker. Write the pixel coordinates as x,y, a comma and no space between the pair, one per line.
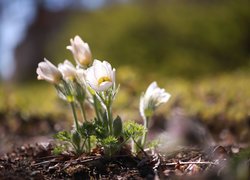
153,98
80,51
100,76
48,72
68,70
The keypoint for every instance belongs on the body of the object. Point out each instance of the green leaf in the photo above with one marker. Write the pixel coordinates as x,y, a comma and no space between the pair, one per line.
117,125
58,150
76,138
153,144
109,141
63,136
101,131
133,130
110,145
105,120
87,129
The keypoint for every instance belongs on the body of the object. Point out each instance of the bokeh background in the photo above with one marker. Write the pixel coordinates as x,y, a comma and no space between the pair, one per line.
199,50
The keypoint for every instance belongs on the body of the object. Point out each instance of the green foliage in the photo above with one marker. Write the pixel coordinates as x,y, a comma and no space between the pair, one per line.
31,99
63,136
87,129
239,165
174,38
153,144
58,149
117,124
220,96
109,141
133,130
224,98
110,145
101,130
74,139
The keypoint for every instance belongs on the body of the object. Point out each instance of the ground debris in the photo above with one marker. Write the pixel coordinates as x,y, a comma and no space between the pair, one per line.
38,162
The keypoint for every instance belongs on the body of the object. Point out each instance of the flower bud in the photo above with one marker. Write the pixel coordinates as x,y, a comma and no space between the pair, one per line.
68,70
80,51
48,72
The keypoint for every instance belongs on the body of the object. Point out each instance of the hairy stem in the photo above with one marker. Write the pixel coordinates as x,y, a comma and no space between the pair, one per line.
89,145
144,136
74,114
141,148
83,111
96,108
110,120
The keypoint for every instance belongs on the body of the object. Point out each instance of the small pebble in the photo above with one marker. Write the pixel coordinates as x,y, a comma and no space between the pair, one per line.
235,150
34,173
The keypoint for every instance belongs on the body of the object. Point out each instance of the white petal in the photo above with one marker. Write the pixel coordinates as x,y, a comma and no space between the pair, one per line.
44,69
96,61
141,106
40,73
71,41
68,63
113,75
105,85
78,40
107,66
86,46
90,76
70,48
51,66
151,88
100,71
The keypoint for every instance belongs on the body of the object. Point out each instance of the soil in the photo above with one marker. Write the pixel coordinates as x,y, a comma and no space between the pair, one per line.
38,162
32,158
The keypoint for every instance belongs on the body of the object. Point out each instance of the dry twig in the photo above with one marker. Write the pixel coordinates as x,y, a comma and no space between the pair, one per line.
190,162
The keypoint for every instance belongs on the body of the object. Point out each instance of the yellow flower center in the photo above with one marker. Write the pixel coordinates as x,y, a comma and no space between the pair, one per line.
103,79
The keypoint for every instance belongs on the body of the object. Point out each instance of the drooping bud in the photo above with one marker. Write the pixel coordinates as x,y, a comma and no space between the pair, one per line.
48,72
80,51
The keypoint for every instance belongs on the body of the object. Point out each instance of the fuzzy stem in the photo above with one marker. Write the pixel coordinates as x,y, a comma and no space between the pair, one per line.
144,136
89,145
96,107
110,119
108,104
83,144
141,148
74,114
83,111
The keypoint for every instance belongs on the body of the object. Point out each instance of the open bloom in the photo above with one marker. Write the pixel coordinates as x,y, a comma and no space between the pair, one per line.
153,98
48,72
68,70
100,76
81,51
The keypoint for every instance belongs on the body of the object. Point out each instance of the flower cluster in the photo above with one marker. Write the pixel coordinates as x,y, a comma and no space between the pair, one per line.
92,82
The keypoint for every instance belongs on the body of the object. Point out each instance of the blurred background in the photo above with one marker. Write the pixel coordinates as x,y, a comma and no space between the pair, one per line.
199,50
